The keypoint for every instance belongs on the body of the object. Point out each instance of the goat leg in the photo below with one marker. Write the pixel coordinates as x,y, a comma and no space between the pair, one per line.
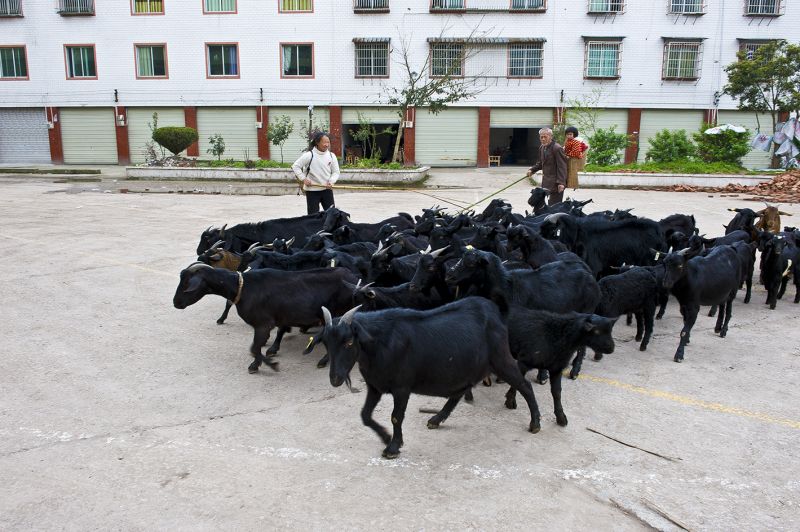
398,414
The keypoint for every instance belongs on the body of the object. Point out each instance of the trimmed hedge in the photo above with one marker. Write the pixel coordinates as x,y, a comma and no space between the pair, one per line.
175,139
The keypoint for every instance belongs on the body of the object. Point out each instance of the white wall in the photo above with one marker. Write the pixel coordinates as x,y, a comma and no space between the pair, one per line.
259,29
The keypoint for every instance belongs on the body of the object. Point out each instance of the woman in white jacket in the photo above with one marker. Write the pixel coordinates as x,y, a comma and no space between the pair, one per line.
317,170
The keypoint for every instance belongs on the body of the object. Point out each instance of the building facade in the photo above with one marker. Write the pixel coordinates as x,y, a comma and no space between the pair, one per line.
81,79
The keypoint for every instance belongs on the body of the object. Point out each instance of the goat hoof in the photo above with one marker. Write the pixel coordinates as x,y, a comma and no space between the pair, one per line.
561,420
220,321
487,381
252,369
598,356
322,362
433,424
678,358
723,333
511,404
535,427
390,454
643,348
468,397
498,380
272,351
573,375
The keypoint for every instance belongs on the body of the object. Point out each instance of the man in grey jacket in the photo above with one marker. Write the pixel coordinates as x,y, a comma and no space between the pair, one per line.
553,164
317,170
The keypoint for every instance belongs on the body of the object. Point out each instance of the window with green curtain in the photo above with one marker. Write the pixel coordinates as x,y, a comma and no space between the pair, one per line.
12,62
298,60
223,60
681,60
297,5
150,61
148,6
602,60
220,6
80,62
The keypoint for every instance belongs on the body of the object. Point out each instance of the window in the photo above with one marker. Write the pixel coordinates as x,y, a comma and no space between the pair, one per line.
80,62
687,7
749,47
447,59
372,59
527,4
13,62
606,6
75,7
219,6
151,61
223,60
681,60
371,5
10,8
448,4
297,6
525,60
762,7
148,7
602,59
297,60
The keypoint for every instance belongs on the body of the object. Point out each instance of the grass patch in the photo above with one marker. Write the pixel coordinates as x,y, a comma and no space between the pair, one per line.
674,167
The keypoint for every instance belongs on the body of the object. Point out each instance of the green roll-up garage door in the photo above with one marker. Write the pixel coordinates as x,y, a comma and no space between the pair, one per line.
756,158
377,115
23,136
237,125
521,117
611,117
654,120
88,135
139,133
447,139
296,143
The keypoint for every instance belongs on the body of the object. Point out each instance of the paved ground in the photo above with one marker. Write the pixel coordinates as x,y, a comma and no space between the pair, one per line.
120,412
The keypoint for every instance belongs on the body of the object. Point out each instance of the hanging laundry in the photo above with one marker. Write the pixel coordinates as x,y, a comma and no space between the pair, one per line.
761,141
788,149
780,136
788,128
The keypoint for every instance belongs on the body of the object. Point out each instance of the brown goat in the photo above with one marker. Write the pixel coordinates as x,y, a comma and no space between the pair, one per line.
770,219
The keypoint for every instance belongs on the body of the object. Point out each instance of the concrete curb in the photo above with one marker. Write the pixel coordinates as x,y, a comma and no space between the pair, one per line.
271,175
627,180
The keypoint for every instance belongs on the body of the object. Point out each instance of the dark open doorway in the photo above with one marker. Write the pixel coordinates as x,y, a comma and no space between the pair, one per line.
383,148
514,146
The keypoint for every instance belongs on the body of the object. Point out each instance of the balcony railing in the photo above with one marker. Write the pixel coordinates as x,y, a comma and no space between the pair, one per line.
10,8
76,7
513,6
370,6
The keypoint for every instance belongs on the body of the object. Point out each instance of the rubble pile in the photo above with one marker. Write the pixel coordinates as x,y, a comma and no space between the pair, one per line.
784,188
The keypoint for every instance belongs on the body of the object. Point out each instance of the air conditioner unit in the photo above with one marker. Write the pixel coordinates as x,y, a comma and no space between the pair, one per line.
121,120
259,125
408,124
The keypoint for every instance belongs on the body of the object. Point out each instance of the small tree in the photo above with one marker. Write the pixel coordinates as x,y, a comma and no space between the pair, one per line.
367,134
585,112
175,139
307,134
150,144
766,81
217,145
278,132
669,146
727,146
607,145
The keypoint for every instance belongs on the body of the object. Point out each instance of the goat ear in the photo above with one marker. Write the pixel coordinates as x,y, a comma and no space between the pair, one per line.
587,324
194,283
216,257
364,339
784,213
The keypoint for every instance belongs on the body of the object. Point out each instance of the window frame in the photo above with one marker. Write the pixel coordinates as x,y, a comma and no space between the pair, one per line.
151,14
586,46
208,59
698,62
313,60
296,12
702,11
509,46
779,9
234,12
15,15
136,45
357,9
431,58
387,44
66,64
620,11
513,9
27,70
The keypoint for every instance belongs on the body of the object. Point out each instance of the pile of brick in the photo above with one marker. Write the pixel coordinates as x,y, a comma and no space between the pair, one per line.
784,188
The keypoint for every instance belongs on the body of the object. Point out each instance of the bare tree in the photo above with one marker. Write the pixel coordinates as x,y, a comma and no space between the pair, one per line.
436,82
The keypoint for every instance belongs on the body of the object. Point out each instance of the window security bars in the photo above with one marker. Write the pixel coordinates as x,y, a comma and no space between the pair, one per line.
372,60
76,7
488,5
602,59
525,60
12,63
687,7
762,7
371,5
681,61
304,6
447,60
148,6
80,62
606,6
10,8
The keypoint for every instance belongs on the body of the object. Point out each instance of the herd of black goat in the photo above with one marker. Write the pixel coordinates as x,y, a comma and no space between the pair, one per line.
436,303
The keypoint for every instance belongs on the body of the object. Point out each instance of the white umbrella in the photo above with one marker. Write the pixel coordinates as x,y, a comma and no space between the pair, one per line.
724,127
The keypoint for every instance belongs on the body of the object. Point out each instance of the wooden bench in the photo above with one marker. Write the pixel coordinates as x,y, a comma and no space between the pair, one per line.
494,159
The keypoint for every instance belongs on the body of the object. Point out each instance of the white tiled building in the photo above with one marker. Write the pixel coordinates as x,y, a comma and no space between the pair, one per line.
80,79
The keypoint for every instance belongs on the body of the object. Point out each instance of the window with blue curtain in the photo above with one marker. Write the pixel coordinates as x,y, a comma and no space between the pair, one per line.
223,60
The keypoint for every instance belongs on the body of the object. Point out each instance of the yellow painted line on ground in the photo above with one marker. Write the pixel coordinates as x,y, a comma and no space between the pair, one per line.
689,401
100,258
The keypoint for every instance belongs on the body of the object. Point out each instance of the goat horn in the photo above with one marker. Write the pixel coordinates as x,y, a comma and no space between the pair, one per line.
426,251
327,315
438,252
554,217
358,284
290,242
217,243
684,251
254,246
193,267
366,286
347,317
208,229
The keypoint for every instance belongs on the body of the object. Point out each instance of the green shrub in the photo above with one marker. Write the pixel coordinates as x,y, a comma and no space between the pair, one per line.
670,146
672,167
726,147
175,139
217,146
606,146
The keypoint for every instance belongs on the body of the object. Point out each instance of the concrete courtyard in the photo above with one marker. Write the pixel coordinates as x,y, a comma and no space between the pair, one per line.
120,412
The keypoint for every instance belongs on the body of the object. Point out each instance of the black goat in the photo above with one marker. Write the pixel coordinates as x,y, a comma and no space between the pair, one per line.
441,352
239,237
633,291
